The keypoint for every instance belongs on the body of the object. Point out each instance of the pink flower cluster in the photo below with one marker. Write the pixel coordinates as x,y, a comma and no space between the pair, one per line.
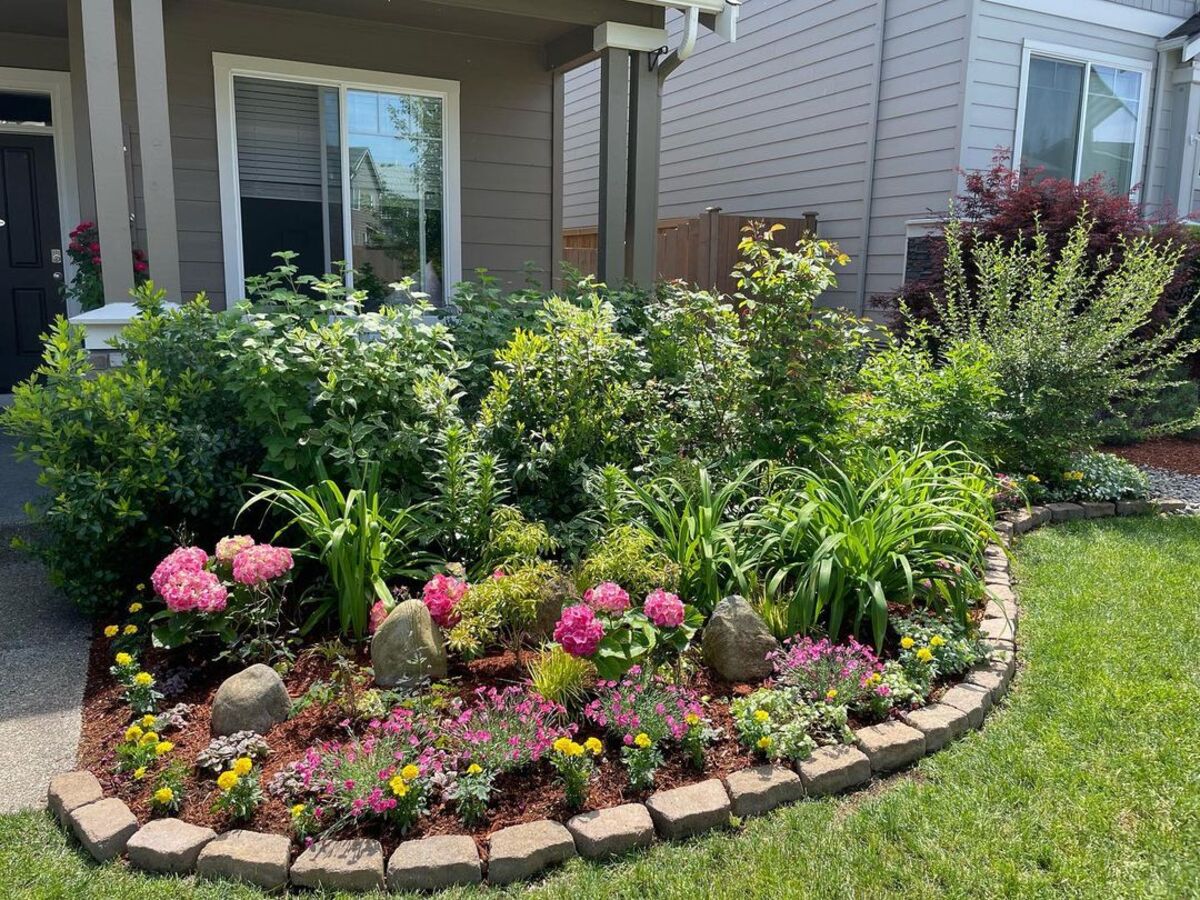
503,730
261,563
825,670
607,597
644,703
441,594
578,631
185,585
664,609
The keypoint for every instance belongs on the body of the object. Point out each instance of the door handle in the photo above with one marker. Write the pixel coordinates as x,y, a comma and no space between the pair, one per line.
57,276
2,223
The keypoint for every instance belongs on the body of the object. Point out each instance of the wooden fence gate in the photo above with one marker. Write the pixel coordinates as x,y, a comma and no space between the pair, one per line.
701,250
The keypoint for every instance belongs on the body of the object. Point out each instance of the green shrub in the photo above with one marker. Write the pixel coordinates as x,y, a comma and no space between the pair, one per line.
1071,339
507,608
911,399
321,381
832,550
564,399
133,455
630,556
1096,477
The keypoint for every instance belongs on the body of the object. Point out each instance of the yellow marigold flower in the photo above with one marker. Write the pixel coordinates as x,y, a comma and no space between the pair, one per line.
149,738
141,587
831,694
111,631
135,607
761,715
936,641
298,810
409,772
642,740
765,742
162,748
906,642
692,719
123,659
574,749
398,785
874,679
143,679
474,769
1033,479
130,629
164,795
561,745
925,655
133,733
242,765
148,721
227,780
139,772
594,746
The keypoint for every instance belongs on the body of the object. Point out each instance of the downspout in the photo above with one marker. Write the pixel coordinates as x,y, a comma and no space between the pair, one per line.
869,176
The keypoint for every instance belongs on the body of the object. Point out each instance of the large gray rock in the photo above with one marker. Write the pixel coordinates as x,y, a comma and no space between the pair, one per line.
433,863
70,791
737,641
168,845
408,646
104,827
252,700
250,856
350,865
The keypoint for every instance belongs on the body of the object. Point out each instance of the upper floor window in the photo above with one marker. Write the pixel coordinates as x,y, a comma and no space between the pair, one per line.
1082,115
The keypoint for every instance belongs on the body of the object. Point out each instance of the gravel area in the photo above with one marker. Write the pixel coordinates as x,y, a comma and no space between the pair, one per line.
1175,485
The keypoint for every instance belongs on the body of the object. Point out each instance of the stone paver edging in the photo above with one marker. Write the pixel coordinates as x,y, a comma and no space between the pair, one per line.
107,828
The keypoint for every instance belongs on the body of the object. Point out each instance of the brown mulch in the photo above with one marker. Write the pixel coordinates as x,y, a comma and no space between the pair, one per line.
1176,454
518,798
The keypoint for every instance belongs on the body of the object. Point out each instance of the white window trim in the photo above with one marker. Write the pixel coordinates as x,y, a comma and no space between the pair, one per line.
1076,55
62,129
1102,12
226,66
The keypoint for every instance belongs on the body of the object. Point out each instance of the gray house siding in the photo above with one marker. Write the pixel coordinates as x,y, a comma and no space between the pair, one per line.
505,120
34,51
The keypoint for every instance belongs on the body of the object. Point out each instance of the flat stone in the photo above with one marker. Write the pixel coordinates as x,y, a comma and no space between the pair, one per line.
939,723
613,831
252,700
997,629
832,769
996,554
1005,530
1041,516
355,864
1021,521
970,699
1166,505
168,845
684,811
1134,508
890,745
104,827
520,851
1001,592
1094,510
1000,579
250,856
1064,512
755,791
433,863
993,676
71,790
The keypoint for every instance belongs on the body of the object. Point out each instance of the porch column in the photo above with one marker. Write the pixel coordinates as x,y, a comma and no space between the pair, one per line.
1183,158
645,126
614,120
154,141
108,147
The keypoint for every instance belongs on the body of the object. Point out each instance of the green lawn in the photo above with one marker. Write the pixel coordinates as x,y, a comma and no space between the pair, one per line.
1085,784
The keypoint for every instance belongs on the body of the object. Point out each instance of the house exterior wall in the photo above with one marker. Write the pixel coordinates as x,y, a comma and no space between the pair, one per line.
505,120
34,51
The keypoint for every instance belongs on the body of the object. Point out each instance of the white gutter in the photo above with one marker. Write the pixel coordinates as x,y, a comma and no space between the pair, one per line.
691,31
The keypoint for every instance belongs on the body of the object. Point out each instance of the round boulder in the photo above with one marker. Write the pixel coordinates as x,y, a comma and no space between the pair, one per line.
737,641
408,646
252,700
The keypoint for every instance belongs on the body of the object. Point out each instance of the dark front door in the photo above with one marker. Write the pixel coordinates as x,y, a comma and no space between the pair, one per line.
30,252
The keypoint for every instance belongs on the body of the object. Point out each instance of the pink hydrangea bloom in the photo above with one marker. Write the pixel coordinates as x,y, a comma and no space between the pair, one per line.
441,594
200,591
663,609
261,563
181,559
578,631
229,547
379,612
608,596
